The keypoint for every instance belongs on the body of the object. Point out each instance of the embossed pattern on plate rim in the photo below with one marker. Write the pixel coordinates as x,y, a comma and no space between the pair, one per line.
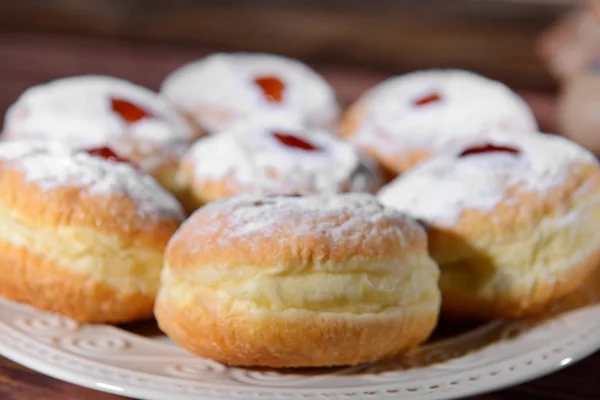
36,340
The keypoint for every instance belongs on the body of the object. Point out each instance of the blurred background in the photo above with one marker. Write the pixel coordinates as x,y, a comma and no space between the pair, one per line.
536,46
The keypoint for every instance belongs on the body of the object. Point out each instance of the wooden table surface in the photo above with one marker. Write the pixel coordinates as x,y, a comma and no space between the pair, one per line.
27,59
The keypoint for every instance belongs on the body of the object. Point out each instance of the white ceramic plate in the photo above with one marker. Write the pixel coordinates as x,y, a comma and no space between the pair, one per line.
140,362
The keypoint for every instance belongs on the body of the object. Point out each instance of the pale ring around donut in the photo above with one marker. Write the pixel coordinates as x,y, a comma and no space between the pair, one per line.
286,281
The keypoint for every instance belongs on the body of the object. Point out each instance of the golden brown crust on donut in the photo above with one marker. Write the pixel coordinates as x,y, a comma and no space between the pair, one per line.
515,259
53,207
36,280
460,304
207,191
525,209
196,246
93,253
299,340
168,177
351,118
515,217
396,164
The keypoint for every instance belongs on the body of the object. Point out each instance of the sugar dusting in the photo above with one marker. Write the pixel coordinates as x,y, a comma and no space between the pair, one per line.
226,82
261,163
440,189
338,217
78,112
469,105
52,164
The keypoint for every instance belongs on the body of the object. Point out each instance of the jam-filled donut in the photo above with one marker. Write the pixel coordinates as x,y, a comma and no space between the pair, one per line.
81,235
288,281
96,111
274,159
513,221
407,119
225,88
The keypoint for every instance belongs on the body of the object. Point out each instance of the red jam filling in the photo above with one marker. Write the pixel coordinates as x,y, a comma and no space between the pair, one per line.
294,142
129,111
428,99
107,154
489,148
271,87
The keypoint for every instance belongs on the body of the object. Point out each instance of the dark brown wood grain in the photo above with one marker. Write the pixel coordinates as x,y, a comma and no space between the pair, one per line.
28,59
495,38
20,383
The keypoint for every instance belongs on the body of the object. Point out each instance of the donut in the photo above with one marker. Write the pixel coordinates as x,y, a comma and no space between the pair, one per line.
225,88
409,118
274,158
94,111
292,281
512,221
81,235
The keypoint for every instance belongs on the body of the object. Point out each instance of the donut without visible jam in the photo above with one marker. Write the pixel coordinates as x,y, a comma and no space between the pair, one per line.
285,281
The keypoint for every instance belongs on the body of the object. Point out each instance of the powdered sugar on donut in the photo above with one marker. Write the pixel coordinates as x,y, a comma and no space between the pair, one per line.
258,216
436,108
78,111
439,190
52,164
223,86
251,156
